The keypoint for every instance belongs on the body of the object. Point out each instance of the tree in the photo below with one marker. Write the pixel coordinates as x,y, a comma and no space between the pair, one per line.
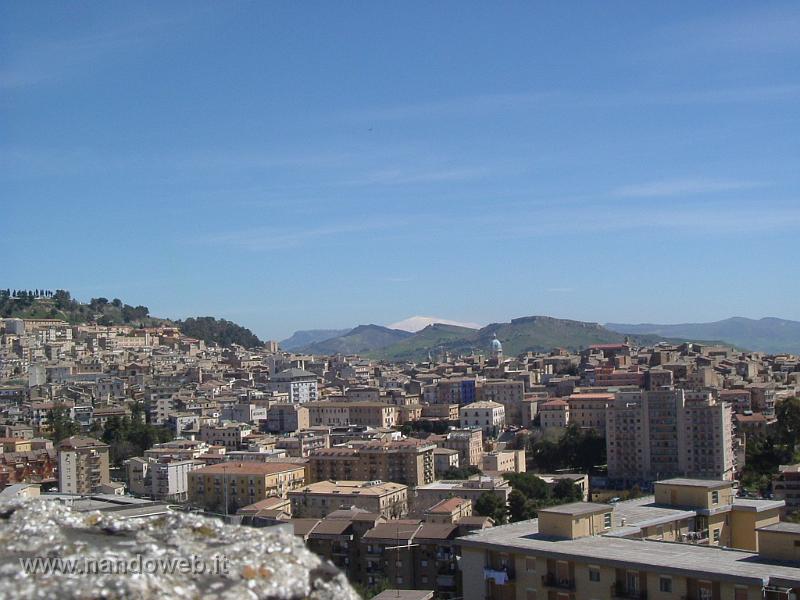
461,472
519,507
566,491
61,425
788,425
493,506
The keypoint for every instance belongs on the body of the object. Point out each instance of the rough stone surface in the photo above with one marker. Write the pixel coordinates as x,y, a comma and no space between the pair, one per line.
261,563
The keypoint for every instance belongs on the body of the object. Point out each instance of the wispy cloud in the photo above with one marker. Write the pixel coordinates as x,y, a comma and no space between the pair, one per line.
275,238
413,175
766,28
493,104
683,187
54,60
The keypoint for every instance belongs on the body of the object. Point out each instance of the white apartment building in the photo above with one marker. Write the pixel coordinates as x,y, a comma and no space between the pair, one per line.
489,416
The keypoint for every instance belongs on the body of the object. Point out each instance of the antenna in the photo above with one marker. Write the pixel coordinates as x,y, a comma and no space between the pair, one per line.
399,546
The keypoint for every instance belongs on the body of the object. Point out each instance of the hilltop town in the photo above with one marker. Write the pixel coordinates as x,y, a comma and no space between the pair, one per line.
467,475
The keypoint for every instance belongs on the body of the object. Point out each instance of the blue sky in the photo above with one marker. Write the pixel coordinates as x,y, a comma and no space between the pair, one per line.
302,165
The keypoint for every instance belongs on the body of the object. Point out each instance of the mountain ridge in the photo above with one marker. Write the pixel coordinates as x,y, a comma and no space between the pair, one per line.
767,334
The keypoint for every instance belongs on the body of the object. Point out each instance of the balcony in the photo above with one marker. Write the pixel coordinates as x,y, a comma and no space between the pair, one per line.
621,591
560,583
498,576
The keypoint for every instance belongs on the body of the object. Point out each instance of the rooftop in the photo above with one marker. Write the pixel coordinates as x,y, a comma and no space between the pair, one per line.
578,508
698,483
247,468
668,558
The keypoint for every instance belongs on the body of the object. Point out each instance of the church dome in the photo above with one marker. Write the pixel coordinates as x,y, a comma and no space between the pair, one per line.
496,345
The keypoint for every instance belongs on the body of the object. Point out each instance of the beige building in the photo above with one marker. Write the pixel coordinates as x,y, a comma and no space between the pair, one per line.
470,489
229,434
786,486
451,510
489,416
229,486
656,434
409,462
468,442
287,418
370,414
588,410
390,500
505,461
509,393
642,549
554,414
82,466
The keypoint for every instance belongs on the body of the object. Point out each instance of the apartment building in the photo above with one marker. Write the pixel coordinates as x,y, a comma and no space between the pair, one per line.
229,486
786,486
428,495
648,548
408,554
468,442
160,479
409,462
509,393
451,510
301,385
444,459
287,418
369,414
588,410
554,414
656,434
390,500
228,434
445,412
456,390
303,443
489,416
82,465
505,461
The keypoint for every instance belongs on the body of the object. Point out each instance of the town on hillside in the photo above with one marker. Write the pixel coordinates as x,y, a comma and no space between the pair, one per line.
623,470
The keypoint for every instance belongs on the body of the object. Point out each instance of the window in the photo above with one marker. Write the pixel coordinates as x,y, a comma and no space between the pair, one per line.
607,520
715,497
594,574
716,536
740,593
665,584
530,564
530,594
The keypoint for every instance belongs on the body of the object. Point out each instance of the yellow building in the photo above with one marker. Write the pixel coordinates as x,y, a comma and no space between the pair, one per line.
228,486
390,500
639,549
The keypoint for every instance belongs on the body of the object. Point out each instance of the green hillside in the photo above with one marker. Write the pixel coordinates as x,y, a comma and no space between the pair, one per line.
45,304
432,337
537,334
361,340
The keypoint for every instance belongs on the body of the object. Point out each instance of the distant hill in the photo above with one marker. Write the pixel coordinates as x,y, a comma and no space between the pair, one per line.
361,340
301,339
537,334
418,323
769,334
430,338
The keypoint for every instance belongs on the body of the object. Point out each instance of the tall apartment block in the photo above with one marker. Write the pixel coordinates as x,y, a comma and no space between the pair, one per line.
82,465
656,434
